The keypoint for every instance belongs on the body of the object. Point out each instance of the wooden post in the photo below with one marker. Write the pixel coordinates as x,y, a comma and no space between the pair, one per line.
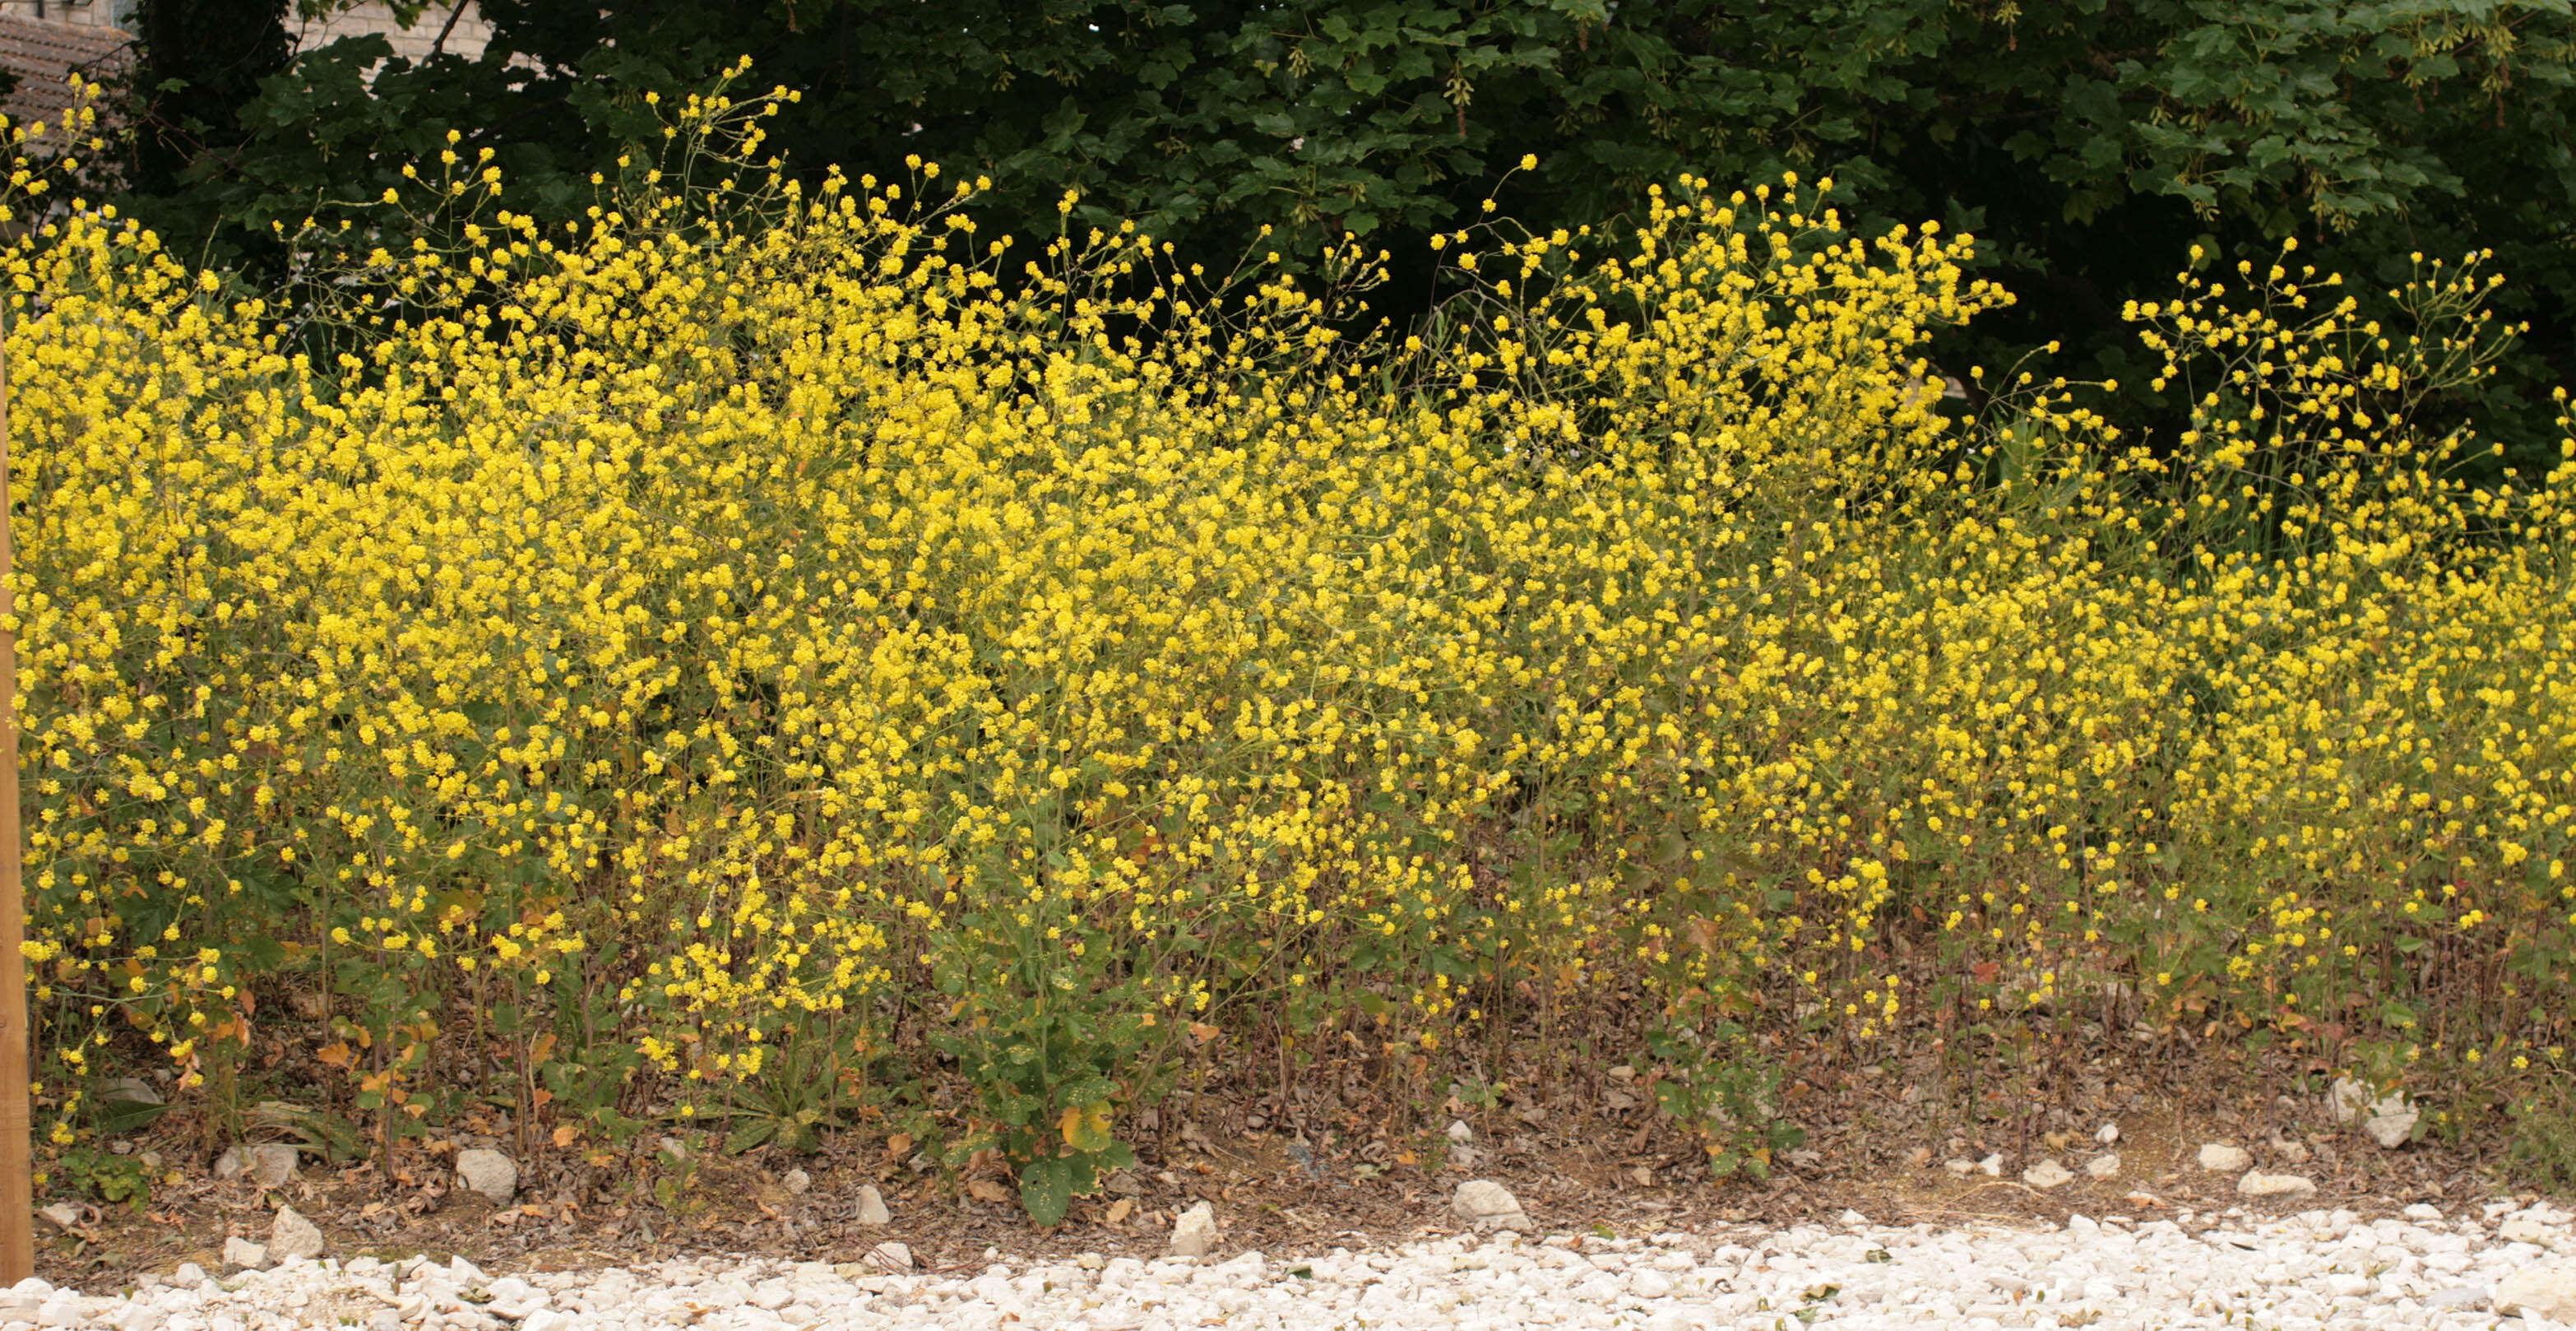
17,1159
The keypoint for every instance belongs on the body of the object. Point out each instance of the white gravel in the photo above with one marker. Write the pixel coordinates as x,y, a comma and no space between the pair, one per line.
2318,1269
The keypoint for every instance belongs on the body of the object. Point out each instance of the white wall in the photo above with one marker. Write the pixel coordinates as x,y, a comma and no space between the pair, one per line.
466,39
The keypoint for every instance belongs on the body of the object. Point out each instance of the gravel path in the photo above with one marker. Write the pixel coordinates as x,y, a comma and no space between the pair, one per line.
2314,1270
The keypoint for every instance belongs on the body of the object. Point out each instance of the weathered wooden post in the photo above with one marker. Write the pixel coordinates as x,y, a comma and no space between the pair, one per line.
17,1161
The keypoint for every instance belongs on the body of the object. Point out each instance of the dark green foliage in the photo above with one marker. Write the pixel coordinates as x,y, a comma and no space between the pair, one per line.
2091,142
199,62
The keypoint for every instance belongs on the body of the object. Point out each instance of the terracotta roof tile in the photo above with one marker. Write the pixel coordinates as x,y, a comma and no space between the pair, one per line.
45,55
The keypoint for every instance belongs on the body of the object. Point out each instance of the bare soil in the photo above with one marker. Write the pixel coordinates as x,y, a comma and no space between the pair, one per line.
1597,1161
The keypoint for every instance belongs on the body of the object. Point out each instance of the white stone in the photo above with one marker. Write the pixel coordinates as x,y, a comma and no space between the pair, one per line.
291,1235
61,1215
1484,1205
2347,1099
2391,1123
2107,1133
2048,1174
243,1255
2104,1167
2157,1268
2544,1291
2524,1229
138,1317
2259,1184
489,1172
1992,1166
1960,1166
131,1090
2221,1158
796,1181
872,1208
271,1166
1460,1133
1194,1234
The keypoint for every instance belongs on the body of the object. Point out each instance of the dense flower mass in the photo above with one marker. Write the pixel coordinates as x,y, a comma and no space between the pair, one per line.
767,639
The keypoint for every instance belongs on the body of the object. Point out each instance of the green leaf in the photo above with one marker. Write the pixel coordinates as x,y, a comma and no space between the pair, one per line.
1046,1189
1086,1127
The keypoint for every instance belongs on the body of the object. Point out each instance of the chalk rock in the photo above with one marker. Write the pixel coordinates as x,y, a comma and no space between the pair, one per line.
2048,1174
2525,1229
796,1181
268,1166
132,1091
2539,1291
490,1173
61,1215
2391,1122
2259,1184
291,1235
890,1257
243,1255
2221,1158
1483,1205
872,1208
2105,1166
1194,1234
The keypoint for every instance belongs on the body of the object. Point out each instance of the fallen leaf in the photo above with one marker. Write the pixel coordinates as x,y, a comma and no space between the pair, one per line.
987,1190
898,1145
1118,1210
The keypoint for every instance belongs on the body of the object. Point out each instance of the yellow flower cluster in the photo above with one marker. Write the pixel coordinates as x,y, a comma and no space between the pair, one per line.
750,619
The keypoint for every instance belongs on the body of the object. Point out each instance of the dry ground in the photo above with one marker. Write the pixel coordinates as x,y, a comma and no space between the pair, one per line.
1604,1164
